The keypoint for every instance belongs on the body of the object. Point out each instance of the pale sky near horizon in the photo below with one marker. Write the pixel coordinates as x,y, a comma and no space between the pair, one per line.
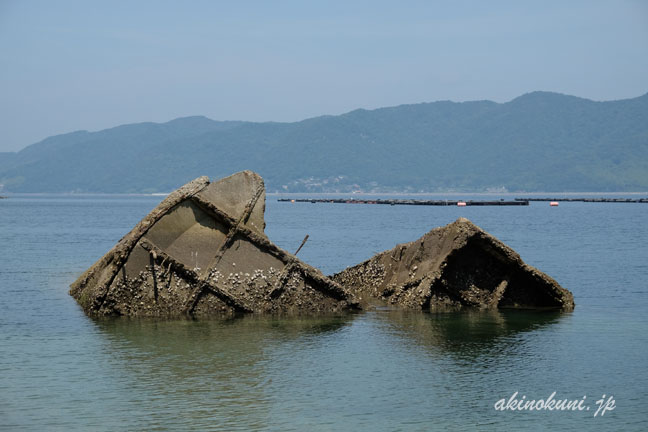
69,65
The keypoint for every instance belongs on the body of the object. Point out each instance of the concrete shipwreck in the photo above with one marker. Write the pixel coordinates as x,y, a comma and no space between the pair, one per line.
458,265
203,251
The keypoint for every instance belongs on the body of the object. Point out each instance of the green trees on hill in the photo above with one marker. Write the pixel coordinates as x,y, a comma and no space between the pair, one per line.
536,142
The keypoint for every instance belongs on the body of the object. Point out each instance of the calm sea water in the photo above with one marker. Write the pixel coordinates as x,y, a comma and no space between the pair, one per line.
382,370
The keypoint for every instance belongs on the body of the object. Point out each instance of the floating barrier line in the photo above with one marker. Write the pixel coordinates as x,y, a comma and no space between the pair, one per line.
517,202
594,200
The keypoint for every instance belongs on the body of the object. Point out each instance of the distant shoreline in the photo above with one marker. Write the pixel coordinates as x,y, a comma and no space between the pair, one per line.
531,195
517,194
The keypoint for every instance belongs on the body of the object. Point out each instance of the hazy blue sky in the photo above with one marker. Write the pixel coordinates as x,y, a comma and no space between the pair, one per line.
68,65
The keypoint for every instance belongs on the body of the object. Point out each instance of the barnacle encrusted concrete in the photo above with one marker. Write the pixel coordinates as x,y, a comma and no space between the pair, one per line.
458,265
203,251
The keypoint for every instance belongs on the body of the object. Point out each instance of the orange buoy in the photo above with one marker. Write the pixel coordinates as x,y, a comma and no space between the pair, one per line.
292,201
461,204
553,203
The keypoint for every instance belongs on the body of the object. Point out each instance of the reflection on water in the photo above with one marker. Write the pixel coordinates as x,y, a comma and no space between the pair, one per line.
470,333
352,371
217,372
210,336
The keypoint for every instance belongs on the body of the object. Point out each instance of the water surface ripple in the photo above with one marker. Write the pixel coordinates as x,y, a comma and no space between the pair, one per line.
381,370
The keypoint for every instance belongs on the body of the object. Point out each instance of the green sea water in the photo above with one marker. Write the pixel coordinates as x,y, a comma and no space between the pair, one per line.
377,370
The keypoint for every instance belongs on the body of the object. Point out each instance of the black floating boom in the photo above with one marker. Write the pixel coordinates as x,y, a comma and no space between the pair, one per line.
409,202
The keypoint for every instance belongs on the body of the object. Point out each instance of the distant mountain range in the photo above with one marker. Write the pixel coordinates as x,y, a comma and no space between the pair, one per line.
537,142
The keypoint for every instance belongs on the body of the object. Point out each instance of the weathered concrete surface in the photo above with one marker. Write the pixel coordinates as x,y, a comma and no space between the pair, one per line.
451,267
203,251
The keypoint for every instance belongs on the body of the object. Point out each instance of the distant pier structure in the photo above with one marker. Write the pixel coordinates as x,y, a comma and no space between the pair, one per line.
460,203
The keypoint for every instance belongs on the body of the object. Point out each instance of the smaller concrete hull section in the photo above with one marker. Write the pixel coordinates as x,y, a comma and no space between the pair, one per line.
451,267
